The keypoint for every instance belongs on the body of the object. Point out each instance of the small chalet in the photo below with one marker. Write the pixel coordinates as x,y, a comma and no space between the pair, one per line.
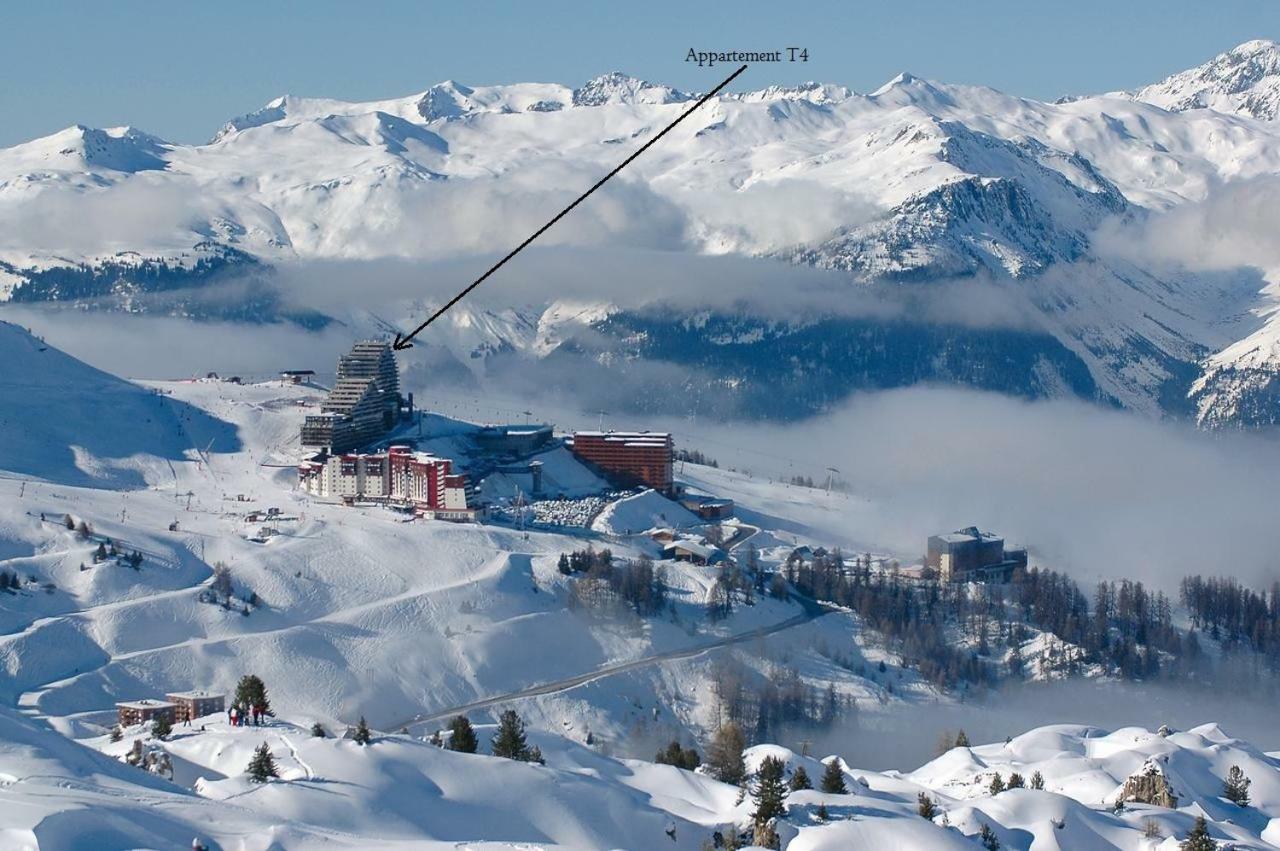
693,551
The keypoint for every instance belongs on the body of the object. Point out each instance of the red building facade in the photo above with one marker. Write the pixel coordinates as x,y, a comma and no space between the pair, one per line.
630,457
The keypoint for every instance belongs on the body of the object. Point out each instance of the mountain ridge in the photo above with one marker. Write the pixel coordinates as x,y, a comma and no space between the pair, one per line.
916,183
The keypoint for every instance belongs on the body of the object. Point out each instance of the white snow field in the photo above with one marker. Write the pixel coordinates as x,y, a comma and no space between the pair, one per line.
357,611
360,613
402,792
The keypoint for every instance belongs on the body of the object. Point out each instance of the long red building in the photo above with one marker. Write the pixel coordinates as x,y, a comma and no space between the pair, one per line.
629,457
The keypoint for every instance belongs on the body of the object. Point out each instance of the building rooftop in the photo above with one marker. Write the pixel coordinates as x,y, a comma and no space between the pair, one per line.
192,695
702,551
970,533
145,703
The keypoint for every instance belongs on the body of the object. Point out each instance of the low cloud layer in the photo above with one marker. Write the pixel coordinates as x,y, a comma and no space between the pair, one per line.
1233,226
1094,492
905,737
157,347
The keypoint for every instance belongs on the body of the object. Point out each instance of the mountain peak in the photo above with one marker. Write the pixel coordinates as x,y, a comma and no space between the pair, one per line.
125,149
1242,81
908,89
274,110
617,87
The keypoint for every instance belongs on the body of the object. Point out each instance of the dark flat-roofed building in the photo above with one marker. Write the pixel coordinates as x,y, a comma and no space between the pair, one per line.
513,439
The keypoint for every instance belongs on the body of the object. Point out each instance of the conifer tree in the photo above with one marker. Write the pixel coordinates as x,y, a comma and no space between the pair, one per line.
680,757
251,692
990,841
1199,839
925,806
1236,787
1015,781
317,731
821,813
362,735
770,791
1037,780
116,733
510,741
160,727
997,784
833,779
263,765
799,780
462,736
962,739
724,755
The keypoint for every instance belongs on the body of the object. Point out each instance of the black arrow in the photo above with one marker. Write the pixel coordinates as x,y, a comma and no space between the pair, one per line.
402,340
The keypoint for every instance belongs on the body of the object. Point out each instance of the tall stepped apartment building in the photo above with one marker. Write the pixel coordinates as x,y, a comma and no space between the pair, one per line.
364,401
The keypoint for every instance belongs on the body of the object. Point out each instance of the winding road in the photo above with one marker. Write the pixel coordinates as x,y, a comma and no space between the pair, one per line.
812,611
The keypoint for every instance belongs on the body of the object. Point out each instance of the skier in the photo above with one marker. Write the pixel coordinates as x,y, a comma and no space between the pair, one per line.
235,716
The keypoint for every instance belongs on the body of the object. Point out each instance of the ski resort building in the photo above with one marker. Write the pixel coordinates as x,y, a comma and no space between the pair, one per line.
398,476
131,712
363,404
971,555
708,507
697,552
513,439
629,457
190,705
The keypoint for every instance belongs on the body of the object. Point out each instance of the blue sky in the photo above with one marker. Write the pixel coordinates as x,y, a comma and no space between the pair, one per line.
181,70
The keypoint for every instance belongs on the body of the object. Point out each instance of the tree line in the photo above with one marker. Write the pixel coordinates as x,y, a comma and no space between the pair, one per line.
610,586
954,633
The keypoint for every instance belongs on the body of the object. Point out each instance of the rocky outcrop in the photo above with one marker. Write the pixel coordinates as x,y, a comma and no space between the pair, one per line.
1149,786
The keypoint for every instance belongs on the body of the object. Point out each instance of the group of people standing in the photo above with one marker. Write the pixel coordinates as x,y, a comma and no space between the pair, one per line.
241,716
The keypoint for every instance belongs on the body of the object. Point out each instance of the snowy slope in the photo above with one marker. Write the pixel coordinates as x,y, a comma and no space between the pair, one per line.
357,612
403,792
64,421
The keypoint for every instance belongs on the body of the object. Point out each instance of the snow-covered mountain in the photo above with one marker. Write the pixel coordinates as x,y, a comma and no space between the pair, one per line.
1242,81
917,184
